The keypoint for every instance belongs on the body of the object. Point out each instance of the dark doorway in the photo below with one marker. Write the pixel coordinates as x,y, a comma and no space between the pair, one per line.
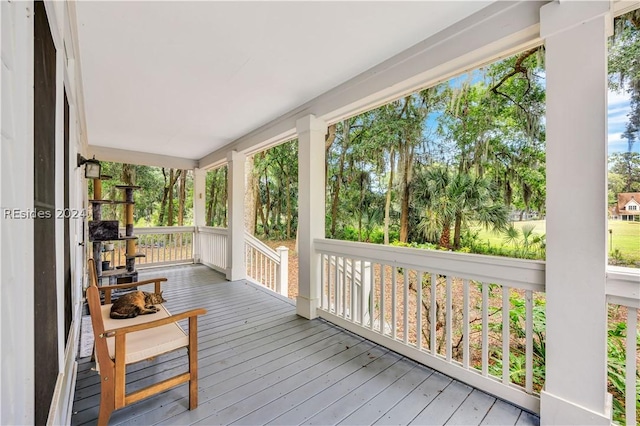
68,290
44,190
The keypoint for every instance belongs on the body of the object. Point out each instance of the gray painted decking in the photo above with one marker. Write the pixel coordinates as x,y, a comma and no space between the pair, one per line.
259,363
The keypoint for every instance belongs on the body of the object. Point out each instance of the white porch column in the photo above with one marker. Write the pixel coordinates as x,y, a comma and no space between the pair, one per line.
311,211
235,201
575,36
199,204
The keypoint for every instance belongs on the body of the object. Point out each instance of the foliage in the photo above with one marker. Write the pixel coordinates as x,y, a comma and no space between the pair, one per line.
430,163
149,207
276,171
626,167
517,353
624,68
617,335
444,197
216,199
426,246
526,243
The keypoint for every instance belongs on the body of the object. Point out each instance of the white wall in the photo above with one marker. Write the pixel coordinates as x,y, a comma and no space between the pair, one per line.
16,236
16,192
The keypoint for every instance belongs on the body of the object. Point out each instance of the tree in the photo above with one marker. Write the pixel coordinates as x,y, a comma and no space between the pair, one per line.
182,195
624,68
250,197
216,208
627,166
448,195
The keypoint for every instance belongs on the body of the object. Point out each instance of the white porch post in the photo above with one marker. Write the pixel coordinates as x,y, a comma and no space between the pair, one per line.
235,200
311,206
199,202
575,36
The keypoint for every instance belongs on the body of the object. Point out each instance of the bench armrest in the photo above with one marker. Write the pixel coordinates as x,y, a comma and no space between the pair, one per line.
108,288
156,323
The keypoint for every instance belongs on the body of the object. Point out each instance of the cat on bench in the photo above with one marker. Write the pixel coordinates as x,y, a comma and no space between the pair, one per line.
130,305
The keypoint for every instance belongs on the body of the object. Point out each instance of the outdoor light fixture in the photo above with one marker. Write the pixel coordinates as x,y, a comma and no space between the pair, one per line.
92,167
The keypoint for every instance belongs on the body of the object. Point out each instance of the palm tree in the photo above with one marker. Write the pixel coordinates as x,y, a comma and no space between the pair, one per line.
448,199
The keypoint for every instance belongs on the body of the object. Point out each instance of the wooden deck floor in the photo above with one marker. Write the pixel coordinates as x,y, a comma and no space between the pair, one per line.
262,364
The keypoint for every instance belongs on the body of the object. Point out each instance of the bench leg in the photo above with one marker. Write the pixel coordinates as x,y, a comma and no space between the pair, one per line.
193,363
107,400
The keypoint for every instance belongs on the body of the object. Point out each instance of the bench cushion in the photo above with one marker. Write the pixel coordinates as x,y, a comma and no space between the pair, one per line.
145,344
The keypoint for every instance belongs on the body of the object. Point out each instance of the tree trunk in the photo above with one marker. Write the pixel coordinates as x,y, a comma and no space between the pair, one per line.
212,198
128,174
406,157
265,222
182,196
173,178
328,142
361,207
387,204
336,186
445,237
128,177
249,194
457,229
170,199
288,195
163,203
225,197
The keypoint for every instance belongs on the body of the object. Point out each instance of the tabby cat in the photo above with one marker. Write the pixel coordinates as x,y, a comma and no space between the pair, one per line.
136,303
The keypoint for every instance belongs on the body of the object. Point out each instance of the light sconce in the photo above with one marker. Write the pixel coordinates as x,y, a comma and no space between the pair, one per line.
92,167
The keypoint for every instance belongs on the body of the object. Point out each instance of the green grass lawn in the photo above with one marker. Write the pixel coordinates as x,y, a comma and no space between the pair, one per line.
497,239
625,236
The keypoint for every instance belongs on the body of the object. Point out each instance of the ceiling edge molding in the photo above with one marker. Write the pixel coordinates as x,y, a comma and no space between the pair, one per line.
140,158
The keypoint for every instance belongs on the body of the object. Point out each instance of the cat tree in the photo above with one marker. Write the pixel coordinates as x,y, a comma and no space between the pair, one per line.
103,231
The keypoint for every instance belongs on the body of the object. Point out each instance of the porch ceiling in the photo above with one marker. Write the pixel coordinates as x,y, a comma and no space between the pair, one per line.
184,79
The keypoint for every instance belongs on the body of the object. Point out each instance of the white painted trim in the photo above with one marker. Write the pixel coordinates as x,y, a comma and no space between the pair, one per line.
78,83
311,211
199,196
235,202
557,18
267,251
576,309
199,209
62,401
623,286
163,230
519,273
59,193
140,158
499,30
16,236
55,15
558,410
623,6
213,230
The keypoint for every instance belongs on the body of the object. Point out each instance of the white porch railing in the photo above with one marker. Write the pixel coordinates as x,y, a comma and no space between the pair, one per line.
158,245
213,247
265,266
468,316
623,292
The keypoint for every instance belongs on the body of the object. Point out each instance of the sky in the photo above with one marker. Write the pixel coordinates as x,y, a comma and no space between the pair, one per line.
617,118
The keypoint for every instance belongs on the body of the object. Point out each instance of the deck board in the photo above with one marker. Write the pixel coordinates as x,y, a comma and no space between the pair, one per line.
358,397
259,363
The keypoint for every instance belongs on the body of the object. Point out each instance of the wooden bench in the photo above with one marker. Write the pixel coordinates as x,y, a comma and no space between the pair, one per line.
121,342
